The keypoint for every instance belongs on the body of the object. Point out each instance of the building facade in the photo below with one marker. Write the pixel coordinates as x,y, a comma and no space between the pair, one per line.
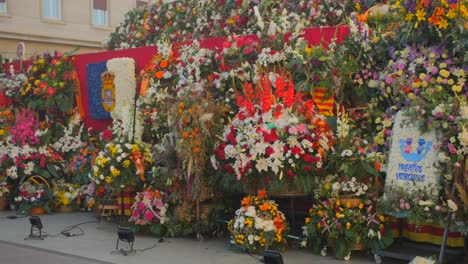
62,25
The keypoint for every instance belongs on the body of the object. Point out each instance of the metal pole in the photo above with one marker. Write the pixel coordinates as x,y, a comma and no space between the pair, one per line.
447,222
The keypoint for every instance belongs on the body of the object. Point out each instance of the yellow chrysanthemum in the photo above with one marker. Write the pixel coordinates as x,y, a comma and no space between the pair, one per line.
115,172
457,88
348,225
444,73
248,222
307,220
126,163
109,179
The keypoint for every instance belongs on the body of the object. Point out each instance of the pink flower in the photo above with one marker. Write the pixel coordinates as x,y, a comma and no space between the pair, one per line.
141,206
149,215
158,203
407,206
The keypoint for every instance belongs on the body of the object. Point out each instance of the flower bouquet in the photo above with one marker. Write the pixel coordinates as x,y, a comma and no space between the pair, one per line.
258,224
66,195
33,196
345,228
50,86
276,139
121,163
150,209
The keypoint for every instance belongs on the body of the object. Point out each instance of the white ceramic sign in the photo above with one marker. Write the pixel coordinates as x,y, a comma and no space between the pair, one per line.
412,157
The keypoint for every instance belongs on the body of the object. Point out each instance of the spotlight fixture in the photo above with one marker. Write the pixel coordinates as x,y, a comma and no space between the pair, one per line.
125,234
36,228
272,257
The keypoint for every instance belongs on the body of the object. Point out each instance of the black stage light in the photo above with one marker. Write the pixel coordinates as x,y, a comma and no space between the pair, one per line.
125,234
272,257
36,225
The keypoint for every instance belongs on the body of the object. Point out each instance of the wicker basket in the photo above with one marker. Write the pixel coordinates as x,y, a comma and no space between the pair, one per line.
352,200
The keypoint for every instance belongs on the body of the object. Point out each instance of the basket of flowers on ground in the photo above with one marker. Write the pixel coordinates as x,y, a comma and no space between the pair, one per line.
34,196
345,228
258,224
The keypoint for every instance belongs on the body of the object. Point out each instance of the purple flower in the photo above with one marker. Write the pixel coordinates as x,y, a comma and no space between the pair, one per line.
401,66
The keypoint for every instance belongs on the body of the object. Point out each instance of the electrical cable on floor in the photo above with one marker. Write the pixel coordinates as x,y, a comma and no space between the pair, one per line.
67,230
160,240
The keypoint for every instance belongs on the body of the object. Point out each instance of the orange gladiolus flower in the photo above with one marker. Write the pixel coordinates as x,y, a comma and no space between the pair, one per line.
262,193
163,64
245,201
159,74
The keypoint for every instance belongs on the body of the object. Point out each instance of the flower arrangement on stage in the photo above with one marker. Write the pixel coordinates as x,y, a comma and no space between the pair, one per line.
122,163
33,195
432,84
80,165
275,137
344,226
26,151
258,224
66,194
197,121
50,86
238,50
150,208
187,20
422,206
353,156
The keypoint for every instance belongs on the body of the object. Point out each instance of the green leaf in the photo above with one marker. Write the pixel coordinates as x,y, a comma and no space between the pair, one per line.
370,169
44,173
52,170
64,105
